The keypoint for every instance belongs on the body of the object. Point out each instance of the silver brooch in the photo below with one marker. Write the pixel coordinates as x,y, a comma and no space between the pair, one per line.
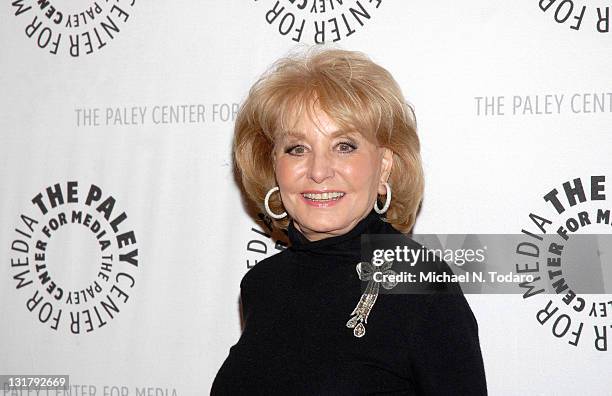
366,272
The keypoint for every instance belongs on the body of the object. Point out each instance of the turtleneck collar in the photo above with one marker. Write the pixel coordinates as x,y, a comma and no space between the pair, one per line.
348,244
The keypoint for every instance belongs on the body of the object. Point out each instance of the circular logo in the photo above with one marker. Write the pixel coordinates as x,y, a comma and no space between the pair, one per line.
72,28
575,15
569,269
318,21
74,257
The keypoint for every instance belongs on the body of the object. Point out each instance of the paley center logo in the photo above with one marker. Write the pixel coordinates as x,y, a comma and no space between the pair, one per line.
74,257
316,21
70,27
578,14
574,309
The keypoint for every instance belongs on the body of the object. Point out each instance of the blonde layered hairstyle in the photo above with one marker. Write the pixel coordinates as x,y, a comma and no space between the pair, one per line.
352,90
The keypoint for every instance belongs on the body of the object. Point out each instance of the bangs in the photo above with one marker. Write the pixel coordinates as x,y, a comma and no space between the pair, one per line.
348,103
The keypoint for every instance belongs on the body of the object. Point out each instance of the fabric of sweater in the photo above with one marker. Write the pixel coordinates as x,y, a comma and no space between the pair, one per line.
295,341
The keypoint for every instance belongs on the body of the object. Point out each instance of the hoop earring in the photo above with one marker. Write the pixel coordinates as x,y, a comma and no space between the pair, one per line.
267,204
387,202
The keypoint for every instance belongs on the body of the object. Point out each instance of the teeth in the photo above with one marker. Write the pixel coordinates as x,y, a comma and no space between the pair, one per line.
326,196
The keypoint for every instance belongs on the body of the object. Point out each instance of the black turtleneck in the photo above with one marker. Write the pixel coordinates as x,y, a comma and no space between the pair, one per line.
295,340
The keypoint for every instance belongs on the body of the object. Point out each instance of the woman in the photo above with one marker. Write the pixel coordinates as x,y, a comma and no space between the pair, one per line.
320,137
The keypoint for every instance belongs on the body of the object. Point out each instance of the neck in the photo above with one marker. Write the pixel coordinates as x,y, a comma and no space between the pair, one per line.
341,244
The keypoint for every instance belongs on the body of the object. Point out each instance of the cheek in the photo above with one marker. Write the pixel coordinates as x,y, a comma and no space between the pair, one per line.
286,172
362,174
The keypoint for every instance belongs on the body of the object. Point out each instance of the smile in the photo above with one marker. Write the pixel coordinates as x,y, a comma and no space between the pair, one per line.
323,197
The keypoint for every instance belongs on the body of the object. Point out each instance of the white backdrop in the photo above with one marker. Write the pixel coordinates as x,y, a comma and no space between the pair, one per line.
147,118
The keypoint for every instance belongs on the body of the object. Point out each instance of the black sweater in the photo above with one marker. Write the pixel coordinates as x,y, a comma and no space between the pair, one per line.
295,340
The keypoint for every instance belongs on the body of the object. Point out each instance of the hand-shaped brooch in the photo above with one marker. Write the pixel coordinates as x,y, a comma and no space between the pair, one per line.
366,272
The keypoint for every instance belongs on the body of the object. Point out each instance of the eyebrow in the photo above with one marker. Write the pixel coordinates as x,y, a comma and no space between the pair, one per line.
333,134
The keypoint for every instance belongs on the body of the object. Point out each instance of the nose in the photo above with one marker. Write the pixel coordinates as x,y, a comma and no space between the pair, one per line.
321,167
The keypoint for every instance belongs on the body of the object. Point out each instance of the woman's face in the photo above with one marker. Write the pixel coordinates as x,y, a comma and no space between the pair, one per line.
329,179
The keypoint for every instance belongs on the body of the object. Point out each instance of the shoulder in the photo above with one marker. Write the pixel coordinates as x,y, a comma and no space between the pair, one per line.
429,312
267,283
267,270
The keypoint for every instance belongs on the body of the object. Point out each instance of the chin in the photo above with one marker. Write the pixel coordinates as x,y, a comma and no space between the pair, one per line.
324,223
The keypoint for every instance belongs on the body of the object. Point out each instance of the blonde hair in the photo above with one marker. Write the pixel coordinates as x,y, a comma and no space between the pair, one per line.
352,90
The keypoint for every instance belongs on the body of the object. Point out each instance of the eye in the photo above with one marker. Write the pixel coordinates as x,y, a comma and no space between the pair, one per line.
346,147
297,149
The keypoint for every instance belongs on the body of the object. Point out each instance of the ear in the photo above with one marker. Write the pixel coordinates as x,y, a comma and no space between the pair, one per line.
386,166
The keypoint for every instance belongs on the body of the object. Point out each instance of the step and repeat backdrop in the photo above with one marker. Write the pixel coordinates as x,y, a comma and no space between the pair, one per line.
124,236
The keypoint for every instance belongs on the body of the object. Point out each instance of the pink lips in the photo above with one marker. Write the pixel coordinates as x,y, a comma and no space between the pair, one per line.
320,204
